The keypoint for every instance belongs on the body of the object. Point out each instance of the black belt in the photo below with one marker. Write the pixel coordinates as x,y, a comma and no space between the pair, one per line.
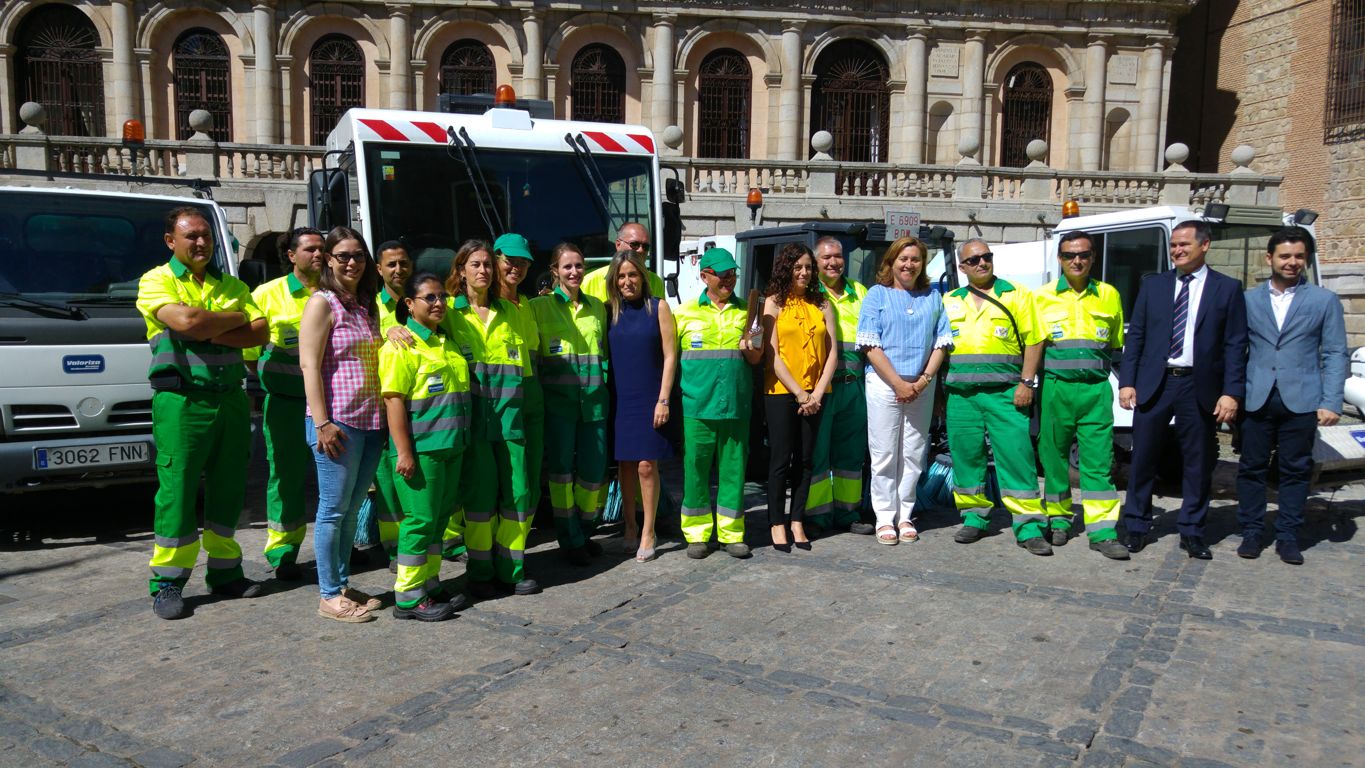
843,377
1184,370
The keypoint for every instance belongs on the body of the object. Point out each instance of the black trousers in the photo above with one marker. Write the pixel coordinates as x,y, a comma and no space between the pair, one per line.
1263,431
1195,430
791,441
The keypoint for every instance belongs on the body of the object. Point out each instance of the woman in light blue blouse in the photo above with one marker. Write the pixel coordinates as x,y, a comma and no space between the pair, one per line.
905,333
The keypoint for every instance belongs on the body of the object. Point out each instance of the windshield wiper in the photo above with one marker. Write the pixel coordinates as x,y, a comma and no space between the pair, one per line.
19,300
587,165
470,159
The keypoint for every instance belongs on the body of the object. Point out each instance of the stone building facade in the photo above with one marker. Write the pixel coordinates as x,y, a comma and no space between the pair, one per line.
893,81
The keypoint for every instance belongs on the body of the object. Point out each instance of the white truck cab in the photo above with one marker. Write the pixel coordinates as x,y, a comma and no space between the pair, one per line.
75,405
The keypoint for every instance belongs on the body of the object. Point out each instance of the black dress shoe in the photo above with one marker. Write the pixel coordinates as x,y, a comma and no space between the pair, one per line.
1289,552
427,610
1195,547
1134,542
802,545
523,587
782,547
1250,548
862,529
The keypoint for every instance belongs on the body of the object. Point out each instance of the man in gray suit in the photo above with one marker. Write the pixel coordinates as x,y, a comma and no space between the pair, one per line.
1296,370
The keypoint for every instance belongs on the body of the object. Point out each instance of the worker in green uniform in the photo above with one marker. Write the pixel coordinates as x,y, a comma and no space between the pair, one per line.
199,320
289,458
1082,320
992,378
395,267
572,328
836,486
514,262
717,344
428,403
631,237
495,494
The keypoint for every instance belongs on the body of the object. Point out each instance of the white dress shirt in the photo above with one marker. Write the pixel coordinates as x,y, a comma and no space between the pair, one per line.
1279,303
1186,357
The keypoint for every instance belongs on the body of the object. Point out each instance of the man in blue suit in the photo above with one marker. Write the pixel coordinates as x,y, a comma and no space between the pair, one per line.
1184,356
1296,371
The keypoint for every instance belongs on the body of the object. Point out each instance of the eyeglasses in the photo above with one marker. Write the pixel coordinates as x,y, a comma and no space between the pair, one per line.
346,257
1073,255
987,257
635,245
434,298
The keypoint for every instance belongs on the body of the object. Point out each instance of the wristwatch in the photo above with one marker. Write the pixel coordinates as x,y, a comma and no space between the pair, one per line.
1029,381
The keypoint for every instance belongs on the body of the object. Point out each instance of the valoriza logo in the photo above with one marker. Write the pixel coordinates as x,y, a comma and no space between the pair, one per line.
83,363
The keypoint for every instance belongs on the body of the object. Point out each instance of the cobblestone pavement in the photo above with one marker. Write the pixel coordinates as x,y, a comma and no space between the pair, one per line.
933,654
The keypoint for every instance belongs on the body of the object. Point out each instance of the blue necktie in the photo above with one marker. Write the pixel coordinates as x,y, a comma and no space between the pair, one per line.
1182,313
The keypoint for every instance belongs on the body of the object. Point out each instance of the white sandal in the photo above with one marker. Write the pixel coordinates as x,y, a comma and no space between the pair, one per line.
908,532
888,529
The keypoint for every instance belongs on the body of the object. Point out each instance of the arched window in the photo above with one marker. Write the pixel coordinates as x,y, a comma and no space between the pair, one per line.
597,85
1026,113
336,82
59,68
203,80
467,69
723,87
851,99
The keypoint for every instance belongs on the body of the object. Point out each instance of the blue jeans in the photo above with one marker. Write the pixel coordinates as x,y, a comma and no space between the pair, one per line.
342,485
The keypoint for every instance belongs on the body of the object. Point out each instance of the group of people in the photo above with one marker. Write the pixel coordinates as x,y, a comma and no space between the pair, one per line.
454,395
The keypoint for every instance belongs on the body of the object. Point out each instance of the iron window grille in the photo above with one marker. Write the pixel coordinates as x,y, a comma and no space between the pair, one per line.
336,83
851,99
1345,118
597,85
202,76
724,84
59,68
467,69
1026,113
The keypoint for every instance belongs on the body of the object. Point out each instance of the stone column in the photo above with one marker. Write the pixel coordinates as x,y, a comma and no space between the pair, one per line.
661,108
973,83
126,102
1091,138
400,59
1149,107
533,57
7,93
263,30
916,90
789,118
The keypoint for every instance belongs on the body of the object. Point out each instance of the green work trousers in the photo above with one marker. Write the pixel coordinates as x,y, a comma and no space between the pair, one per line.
722,444
836,485
1083,413
427,500
497,512
289,459
533,424
576,463
972,415
199,433
388,509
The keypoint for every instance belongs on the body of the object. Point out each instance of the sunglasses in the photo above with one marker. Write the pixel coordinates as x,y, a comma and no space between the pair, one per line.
1087,255
434,298
987,257
635,245
346,257
728,274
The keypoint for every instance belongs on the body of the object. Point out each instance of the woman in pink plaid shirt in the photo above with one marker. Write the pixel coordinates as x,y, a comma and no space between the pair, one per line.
339,356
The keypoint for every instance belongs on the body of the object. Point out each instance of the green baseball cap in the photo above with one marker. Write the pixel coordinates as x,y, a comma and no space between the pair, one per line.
718,260
512,244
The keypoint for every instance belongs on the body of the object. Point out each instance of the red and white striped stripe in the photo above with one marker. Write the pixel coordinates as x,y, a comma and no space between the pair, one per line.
428,132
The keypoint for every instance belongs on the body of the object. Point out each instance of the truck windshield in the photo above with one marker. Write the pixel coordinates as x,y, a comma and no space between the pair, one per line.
1238,250
74,248
423,195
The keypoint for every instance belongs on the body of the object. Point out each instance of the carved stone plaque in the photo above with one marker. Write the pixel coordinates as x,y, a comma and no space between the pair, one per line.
1123,70
943,62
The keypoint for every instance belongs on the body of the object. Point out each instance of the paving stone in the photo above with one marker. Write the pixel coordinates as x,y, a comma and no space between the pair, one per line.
162,757
311,754
98,760
995,734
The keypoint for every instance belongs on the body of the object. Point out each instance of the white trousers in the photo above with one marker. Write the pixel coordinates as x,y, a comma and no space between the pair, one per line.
896,439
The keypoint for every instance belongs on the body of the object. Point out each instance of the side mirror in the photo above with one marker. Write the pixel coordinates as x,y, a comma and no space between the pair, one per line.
329,199
674,195
253,272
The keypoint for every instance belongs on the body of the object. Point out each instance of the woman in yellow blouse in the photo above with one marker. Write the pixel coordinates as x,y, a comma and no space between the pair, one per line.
799,360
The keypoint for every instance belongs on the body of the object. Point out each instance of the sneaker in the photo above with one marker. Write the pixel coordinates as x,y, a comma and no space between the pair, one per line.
239,588
1037,546
593,548
1250,548
346,612
481,590
1058,536
1111,549
360,598
862,529
427,610
523,587
967,534
1289,552
739,549
288,572
168,603
698,550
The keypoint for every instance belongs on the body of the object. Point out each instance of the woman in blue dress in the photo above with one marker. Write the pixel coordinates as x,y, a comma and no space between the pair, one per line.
643,360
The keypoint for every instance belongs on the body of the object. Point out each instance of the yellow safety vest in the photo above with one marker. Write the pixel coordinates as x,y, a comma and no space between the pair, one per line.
433,377
985,348
282,300
1081,329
